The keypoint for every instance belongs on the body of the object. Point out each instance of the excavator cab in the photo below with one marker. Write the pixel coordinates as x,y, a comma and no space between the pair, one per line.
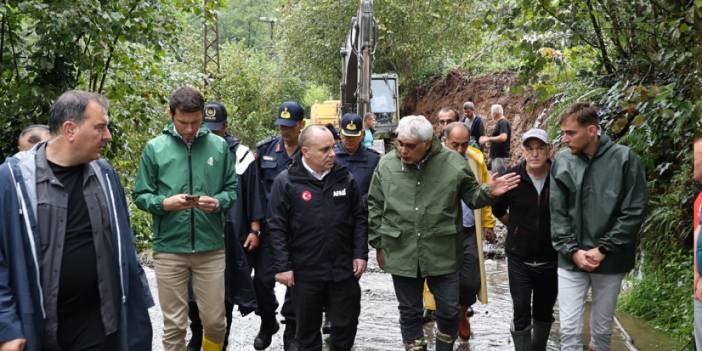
384,102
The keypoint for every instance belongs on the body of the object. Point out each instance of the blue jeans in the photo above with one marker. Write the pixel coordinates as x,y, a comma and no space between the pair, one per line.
409,297
469,276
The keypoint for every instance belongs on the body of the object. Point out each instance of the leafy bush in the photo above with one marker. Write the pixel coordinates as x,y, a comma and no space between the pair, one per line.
664,296
252,85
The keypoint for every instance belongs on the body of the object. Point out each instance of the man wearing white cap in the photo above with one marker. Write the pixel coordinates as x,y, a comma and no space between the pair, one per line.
532,266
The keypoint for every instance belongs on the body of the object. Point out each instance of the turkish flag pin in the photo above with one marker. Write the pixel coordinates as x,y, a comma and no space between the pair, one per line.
307,195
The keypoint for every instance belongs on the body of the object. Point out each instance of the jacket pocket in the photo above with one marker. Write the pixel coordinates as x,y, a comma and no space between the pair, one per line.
389,232
444,230
268,169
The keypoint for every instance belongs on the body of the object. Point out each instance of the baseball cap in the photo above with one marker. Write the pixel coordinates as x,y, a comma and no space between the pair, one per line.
215,115
536,133
289,113
351,124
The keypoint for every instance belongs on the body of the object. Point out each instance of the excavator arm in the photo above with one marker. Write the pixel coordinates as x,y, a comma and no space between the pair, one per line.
357,61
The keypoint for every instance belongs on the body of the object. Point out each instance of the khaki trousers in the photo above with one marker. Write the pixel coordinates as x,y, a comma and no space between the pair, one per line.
173,272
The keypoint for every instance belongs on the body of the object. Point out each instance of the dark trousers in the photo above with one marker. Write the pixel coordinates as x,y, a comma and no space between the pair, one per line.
196,324
409,297
288,312
84,331
264,282
525,282
342,301
469,275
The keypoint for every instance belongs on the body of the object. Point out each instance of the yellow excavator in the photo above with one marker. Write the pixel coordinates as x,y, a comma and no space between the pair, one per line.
361,90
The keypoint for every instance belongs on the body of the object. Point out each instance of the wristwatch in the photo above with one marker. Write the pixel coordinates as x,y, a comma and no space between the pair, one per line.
257,232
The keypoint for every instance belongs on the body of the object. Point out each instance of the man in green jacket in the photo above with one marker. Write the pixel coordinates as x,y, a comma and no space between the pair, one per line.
415,224
186,180
597,201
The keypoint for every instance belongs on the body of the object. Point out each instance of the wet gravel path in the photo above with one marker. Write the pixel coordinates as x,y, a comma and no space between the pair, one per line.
379,327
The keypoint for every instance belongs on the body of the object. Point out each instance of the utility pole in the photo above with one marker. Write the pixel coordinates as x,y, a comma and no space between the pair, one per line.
210,36
271,21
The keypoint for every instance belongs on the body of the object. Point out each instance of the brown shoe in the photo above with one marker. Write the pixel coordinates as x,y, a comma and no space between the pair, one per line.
464,324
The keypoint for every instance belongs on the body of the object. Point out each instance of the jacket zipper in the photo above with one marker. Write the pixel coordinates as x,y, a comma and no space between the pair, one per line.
538,221
190,191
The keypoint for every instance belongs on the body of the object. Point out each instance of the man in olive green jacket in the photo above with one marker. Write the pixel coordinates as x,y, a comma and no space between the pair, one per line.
597,201
415,224
186,180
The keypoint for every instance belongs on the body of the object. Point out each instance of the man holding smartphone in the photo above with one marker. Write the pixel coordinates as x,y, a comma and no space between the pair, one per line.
186,180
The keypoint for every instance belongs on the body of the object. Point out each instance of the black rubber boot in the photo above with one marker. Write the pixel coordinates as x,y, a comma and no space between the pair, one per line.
539,335
522,338
444,342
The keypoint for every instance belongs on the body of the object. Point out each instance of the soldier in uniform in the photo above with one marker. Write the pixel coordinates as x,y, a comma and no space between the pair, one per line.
274,155
352,154
241,229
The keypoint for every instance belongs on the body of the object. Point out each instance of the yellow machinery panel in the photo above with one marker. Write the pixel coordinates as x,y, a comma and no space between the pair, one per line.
326,112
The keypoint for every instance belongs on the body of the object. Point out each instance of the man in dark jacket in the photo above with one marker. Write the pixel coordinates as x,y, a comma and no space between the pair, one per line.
69,275
274,155
598,200
319,236
474,122
352,154
242,228
531,258
499,142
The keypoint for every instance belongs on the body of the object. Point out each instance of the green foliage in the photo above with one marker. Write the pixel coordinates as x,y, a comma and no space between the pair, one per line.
664,297
240,20
127,50
314,94
252,86
416,39
47,48
639,70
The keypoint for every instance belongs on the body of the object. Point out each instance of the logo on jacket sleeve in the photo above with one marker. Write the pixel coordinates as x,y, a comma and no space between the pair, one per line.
338,193
307,195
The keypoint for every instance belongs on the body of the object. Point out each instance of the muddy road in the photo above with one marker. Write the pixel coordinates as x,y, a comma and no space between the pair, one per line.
379,328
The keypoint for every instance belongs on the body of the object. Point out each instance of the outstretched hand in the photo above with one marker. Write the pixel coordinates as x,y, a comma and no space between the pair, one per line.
503,184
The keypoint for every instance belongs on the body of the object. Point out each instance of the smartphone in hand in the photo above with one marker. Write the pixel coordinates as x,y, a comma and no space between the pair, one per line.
192,198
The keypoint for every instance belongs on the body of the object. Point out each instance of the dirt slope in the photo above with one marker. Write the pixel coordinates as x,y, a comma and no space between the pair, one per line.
484,91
